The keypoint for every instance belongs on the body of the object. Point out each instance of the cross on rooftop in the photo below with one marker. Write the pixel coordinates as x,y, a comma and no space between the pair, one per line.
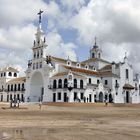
39,13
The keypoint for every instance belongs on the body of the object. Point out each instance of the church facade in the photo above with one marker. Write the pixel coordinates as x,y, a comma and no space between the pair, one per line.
52,79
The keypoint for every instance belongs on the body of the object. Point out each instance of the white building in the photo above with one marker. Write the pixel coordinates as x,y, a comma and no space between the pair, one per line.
53,79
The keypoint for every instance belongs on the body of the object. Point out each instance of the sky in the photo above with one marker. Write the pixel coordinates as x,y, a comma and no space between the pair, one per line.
70,27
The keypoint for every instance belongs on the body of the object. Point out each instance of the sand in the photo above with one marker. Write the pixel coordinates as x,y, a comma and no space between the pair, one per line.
70,122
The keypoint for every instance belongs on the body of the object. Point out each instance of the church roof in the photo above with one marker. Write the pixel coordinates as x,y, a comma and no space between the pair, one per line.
65,74
10,69
81,70
107,67
107,74
17,80
94,60
57,59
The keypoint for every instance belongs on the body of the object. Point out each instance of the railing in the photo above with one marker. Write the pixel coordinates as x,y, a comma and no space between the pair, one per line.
78,87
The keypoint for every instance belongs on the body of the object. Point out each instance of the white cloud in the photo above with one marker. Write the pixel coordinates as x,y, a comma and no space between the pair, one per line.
17,37
57,47
116,23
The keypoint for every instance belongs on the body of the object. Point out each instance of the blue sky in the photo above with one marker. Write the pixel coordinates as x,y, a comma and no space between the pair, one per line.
70,27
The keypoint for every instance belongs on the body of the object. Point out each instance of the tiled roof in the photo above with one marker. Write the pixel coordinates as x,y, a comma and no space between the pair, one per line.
65,74
80,70
94,60
57,59
107,74
10,69
16,80
60,74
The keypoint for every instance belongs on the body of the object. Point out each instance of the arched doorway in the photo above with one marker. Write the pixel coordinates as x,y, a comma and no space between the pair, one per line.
110,98
101,98
36,87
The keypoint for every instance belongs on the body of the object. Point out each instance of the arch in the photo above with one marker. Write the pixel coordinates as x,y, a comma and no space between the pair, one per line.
59,83
65,83
81,84
75,83
101,98
10,74
36,87
54,84
15,74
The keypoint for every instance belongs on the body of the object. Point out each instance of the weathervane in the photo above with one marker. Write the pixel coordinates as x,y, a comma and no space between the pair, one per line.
39,13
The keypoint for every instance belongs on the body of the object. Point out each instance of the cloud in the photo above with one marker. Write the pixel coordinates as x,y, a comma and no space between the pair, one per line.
116,24
57,47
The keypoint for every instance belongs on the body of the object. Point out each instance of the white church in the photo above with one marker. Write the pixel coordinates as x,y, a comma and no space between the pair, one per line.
52,79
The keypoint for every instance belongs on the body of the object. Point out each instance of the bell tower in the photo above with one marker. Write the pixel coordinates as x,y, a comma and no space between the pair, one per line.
95,51
39,44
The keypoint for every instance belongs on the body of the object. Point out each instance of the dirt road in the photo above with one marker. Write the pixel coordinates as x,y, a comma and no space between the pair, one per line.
70,123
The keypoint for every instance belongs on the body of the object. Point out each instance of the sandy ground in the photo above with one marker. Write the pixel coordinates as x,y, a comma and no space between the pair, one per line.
74,122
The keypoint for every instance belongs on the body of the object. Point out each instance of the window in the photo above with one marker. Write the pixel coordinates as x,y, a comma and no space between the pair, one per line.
34,55
106,82
8,88
59,83
78,65
7,97
89,80
98,81
4,74
75,83
15,74
54,84
11,87
18,96
116,93
15,88
127,74
75,96
38,54
65,83
99,55
18,87
10,74
10,96
93,55
23,86
68,63
36,65
22,97
81,84
82,96
41,52
59,96
1,74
